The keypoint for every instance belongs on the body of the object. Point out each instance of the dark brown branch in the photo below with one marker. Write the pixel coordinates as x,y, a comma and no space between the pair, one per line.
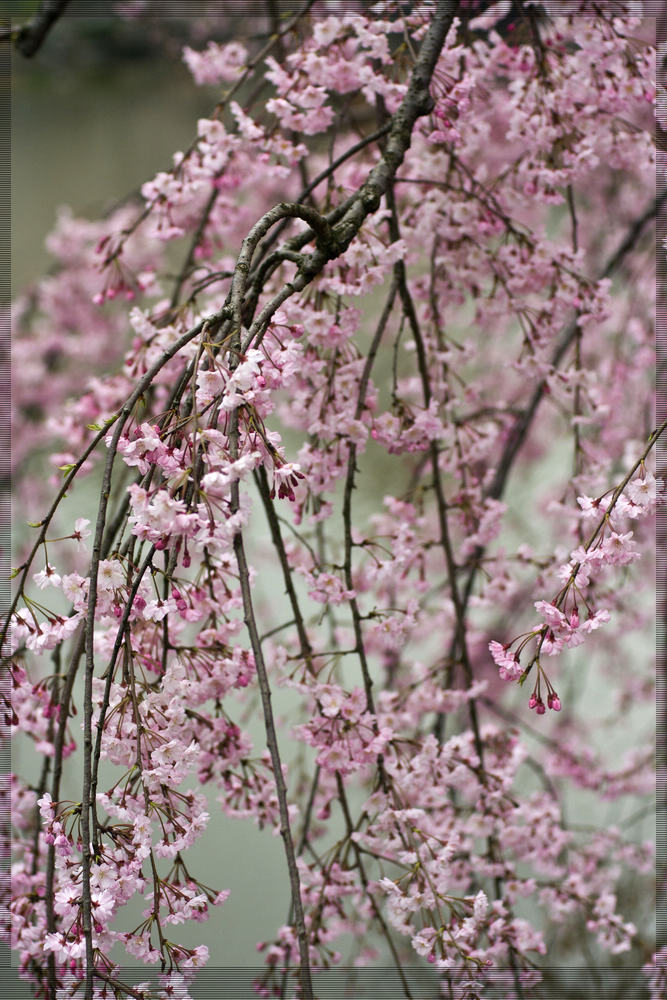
31,36
58,745
342,798
194,243
347,500
351,216
347,520
524,422
285,210
327,172
306,651
271,735
121,987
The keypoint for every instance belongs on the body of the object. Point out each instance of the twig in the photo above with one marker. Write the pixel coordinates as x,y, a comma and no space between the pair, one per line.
347,510
306,650
342,798
523,423
194,243
270,729
58,745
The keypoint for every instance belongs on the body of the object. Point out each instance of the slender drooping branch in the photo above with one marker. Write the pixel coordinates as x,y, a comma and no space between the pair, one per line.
125,412
525,420
306,650
269,723
347,502
322,176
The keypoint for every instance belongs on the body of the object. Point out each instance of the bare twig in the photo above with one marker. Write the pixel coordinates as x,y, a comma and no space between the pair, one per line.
270,729
347,499
306,650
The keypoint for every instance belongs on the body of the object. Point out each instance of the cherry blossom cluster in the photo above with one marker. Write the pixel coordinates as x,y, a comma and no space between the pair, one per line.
608,546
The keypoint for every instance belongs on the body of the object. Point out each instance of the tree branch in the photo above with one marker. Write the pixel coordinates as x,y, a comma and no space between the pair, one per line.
270,729
31,36
524,421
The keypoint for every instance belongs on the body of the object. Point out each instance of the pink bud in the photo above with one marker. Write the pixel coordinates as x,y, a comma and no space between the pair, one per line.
540,709
555,704
532,701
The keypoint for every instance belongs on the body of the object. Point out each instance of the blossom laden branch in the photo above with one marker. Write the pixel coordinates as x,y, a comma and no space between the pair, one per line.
417,821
